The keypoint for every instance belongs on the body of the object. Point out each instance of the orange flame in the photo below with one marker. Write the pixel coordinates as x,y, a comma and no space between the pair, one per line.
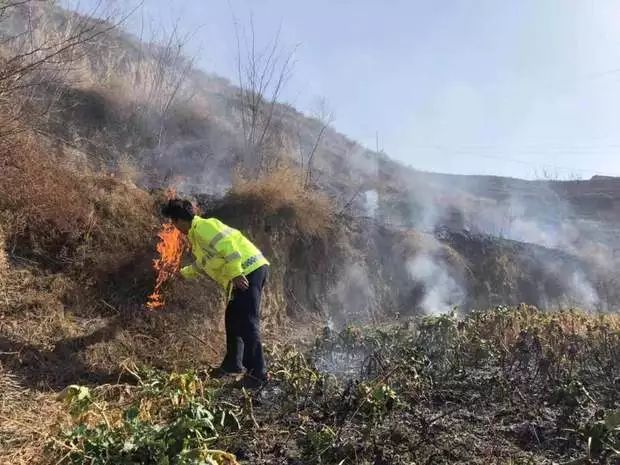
170,248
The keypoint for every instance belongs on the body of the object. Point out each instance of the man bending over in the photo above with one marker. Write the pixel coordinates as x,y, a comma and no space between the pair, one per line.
225,255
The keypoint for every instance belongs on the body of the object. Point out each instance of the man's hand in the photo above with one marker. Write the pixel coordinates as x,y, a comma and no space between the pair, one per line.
241,283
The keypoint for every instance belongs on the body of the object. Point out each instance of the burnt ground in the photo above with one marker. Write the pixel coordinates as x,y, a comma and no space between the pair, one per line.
506,386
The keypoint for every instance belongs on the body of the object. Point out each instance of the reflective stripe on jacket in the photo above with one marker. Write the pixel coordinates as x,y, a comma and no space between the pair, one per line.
220,252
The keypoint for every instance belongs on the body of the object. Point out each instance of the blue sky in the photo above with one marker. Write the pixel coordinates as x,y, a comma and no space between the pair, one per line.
513,88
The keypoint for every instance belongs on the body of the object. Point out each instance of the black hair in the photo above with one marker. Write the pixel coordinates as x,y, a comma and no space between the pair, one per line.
178,209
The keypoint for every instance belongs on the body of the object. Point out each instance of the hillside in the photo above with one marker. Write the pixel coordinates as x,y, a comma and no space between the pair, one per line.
144,104
197,142
394,267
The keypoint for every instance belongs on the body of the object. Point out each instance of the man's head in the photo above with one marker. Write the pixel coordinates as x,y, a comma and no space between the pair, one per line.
180,212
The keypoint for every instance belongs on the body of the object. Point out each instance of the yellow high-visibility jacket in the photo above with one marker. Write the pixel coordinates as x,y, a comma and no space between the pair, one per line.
220,252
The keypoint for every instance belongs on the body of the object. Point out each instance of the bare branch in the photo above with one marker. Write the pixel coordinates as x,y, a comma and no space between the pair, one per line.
51,51
282,79
41,54
261,78
325,118
7,5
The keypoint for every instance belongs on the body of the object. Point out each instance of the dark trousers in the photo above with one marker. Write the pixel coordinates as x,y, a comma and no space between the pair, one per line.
243,343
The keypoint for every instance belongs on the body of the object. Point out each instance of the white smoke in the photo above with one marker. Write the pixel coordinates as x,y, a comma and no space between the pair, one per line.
355,294
554,225
371,203
543,223
582,292
441,292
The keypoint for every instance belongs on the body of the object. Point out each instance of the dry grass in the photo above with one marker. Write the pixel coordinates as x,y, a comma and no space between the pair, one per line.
4,263
555,330
68,219
127,170
71,294
81,246
280,193
40,204
28,420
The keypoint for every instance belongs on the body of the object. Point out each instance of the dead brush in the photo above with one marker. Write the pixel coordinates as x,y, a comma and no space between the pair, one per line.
280,193
28,421
4,271
556,332
31,187
4,263
87,222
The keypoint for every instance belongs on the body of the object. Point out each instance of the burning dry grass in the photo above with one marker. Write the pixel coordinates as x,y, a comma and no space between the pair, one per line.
170,248
170,257
64,232
76,251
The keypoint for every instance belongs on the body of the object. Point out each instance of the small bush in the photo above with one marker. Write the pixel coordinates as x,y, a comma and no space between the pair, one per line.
172,419
280,193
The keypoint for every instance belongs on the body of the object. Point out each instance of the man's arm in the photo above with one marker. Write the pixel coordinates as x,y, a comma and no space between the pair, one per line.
190,272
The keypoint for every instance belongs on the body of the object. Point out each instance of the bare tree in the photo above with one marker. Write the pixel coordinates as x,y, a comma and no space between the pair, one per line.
162,73
38,49
325,117
262,74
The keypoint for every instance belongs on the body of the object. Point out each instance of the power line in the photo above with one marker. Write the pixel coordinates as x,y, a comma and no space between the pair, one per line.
456,151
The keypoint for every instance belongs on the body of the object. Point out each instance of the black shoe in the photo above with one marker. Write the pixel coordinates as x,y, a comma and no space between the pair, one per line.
220,372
